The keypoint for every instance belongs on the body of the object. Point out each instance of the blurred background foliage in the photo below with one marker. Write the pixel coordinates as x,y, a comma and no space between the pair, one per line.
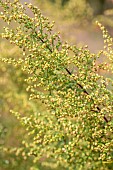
75,19
82,10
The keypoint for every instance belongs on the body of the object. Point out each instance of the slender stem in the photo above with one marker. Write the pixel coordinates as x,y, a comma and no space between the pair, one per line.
106,120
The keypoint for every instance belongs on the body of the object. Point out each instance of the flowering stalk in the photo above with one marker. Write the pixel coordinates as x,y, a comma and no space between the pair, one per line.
76,130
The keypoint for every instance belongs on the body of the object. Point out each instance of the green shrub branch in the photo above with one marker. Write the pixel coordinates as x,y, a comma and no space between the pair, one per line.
75,131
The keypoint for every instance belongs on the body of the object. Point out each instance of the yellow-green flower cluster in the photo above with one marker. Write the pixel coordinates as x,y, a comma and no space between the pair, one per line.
76,132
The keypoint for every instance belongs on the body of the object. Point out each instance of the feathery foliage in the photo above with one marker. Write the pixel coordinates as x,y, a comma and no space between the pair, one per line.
75,131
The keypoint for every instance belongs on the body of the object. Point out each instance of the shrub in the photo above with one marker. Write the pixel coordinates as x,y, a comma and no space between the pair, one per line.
75,131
